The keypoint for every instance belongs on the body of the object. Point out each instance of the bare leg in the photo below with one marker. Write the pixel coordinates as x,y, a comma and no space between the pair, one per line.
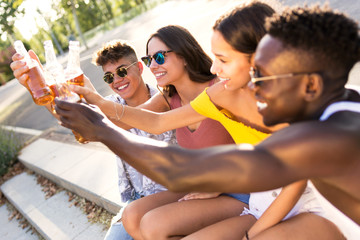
183,218
303,226
231,228
136,210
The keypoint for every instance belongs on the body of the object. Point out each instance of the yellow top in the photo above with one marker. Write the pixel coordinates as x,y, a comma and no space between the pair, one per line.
239,132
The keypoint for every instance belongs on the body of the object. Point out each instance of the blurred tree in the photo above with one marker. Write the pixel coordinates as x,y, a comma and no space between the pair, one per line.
9,11
110,14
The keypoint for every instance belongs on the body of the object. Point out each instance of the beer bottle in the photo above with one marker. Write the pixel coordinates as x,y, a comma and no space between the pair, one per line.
59,84
55,75
73,73
36,84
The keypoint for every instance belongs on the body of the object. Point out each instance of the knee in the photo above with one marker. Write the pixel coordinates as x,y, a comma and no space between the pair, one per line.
131,219
150,227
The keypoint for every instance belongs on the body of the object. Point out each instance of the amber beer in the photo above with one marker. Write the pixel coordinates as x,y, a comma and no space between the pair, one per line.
76,80
36,84
74,75
73,72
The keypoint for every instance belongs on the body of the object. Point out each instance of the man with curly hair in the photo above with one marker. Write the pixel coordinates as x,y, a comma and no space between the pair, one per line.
300,70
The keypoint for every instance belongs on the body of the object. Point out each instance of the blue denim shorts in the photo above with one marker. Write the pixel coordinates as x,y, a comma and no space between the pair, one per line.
239,196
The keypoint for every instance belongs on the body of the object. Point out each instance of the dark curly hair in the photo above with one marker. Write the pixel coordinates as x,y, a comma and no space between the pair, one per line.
243,27
329,40
112,51
180,40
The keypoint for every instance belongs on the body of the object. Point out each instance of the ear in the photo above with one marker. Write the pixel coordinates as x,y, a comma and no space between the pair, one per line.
314,87
141,67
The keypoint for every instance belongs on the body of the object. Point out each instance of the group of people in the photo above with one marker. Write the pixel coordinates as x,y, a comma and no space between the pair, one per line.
263,142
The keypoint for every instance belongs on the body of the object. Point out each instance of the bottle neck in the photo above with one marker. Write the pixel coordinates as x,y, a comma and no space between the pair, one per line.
53,67
73,64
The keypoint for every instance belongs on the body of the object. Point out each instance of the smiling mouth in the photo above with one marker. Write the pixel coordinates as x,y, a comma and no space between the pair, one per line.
122,87
224,79
157,75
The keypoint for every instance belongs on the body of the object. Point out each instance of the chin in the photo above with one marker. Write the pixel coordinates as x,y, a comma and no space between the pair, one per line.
269,122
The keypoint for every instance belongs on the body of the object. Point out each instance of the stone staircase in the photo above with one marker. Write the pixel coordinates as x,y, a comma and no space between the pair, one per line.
88,171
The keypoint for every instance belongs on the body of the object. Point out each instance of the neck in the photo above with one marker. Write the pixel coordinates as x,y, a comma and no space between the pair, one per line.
332,97
189,90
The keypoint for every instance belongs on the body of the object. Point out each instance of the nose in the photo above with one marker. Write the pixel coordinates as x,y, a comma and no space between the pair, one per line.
214,68
117,78
153,64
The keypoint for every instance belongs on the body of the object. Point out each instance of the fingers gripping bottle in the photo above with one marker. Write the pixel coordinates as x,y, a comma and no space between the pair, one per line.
73,73
36,84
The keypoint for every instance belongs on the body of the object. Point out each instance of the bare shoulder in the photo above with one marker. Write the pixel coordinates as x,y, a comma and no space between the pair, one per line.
318,147
157,103
215,90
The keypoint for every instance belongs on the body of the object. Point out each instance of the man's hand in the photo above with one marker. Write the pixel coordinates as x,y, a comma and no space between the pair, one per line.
88,91
86,119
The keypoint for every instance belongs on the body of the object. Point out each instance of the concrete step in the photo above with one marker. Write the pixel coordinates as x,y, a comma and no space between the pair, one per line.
11,229
86,170
53,218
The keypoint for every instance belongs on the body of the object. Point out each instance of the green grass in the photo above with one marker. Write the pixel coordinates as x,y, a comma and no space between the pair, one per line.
10,146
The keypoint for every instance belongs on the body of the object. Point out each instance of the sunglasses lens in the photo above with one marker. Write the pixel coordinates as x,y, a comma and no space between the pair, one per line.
146,60
121,72
108,78
159,58
258,83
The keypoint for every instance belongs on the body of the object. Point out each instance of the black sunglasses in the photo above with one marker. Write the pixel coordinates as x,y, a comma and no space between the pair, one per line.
159,58
120,71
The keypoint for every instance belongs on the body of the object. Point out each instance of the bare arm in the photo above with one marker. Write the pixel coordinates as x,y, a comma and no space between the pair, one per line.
280,207
153,116
290,152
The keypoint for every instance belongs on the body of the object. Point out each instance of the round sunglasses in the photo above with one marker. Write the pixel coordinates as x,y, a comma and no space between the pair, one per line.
159,58
120,71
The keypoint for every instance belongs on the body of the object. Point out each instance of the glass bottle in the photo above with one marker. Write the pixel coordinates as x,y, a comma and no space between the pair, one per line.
73,73
55,75
36,84
59,85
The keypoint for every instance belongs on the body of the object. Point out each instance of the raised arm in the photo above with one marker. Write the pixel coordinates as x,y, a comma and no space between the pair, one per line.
153,116
298,152
210,169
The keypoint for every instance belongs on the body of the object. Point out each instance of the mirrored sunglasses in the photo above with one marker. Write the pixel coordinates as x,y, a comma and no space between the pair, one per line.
159,58
120,71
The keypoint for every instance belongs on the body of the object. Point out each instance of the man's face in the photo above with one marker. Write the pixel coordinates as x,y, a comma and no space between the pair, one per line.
126,86
279,99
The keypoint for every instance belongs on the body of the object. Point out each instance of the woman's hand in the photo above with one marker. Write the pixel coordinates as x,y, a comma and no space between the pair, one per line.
195,195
